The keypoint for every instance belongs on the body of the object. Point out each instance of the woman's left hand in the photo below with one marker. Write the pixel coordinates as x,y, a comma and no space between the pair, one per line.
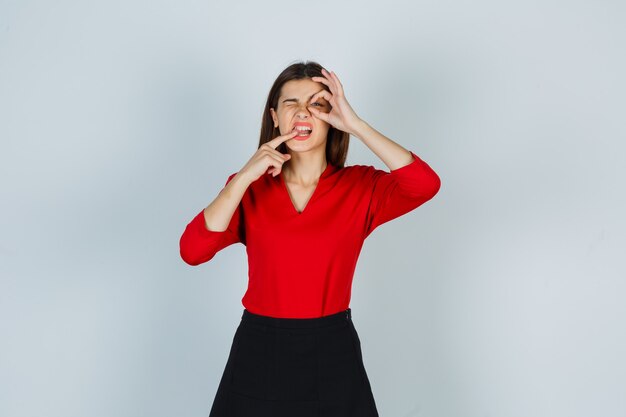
341,116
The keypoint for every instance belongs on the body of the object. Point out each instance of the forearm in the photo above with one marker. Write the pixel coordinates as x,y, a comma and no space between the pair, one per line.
218,213
392,154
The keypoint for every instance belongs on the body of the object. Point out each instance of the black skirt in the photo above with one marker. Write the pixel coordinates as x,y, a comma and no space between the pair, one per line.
290,367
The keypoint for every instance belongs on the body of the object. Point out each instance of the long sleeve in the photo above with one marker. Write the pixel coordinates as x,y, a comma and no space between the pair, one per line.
199,244
399,191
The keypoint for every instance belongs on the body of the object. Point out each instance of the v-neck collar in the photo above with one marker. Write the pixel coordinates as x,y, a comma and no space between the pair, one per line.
327,171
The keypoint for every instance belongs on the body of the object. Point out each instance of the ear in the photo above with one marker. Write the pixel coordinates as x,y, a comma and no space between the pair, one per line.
274,117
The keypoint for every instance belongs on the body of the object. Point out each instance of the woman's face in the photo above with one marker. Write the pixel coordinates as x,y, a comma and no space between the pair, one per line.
293,107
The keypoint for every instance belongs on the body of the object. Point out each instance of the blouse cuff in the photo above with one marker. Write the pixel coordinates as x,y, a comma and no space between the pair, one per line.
417,178
200,226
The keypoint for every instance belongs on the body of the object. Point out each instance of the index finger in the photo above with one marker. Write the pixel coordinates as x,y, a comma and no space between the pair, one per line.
280,139
324,94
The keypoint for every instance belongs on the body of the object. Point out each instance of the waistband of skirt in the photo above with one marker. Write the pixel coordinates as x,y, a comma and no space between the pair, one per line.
296,323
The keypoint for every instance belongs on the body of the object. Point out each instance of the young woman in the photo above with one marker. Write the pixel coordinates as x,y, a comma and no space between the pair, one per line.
303,217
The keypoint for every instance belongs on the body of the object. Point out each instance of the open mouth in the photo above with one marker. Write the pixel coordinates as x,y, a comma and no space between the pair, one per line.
303,131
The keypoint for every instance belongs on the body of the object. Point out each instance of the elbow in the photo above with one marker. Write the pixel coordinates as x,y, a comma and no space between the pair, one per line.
424,189
189,260
191,256
193,260
435,186
421,183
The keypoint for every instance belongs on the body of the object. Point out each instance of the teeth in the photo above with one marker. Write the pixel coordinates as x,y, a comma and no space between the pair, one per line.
302,128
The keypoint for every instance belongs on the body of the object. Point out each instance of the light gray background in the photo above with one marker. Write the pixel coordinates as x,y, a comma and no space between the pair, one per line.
501,297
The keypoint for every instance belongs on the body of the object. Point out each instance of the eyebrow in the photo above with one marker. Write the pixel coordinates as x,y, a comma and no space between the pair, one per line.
295,99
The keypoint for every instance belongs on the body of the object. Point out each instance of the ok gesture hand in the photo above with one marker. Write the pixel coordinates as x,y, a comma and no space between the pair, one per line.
341,117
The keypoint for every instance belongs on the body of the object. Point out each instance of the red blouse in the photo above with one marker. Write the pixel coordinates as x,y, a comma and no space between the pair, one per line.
301,264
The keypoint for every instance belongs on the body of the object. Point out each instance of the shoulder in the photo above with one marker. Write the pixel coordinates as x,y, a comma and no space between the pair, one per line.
357,168
358,178
362,172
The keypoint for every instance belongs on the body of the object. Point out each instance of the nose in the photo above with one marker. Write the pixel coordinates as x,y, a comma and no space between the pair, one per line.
303,110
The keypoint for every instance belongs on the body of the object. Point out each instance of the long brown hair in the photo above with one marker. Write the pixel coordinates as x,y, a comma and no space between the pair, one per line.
337,141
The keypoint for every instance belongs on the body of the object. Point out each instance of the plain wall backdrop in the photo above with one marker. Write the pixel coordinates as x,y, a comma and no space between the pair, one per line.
120,120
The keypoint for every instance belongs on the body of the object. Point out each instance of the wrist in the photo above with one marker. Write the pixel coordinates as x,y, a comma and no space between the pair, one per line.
242,178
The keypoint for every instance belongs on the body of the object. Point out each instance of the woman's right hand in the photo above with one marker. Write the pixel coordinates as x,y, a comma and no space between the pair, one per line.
267,159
